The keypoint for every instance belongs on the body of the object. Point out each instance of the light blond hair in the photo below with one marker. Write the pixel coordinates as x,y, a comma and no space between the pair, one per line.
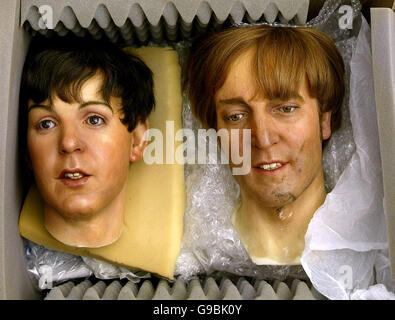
284,58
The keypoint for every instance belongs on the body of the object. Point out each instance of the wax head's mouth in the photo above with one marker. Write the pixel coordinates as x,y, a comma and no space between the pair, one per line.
73,174
270,165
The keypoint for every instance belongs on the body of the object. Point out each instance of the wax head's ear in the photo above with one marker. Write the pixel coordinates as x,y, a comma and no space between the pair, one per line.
326,125
139,141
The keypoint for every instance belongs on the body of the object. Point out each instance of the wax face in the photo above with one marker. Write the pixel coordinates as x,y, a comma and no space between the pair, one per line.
286,133
66,138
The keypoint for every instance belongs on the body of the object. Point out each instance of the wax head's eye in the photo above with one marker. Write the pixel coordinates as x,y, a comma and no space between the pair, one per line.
235,117
287,109
46,124
95,120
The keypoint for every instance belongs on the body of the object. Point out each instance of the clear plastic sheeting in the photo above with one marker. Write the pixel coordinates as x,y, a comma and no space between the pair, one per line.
104,270
49,267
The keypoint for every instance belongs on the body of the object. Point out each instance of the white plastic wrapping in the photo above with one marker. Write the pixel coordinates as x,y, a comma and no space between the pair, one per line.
346,233
49,267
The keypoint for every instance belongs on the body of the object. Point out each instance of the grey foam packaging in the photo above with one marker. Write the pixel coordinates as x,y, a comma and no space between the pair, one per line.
107,11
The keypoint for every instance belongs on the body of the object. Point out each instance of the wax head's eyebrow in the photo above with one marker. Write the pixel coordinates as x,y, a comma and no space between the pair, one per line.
88,103
296,97
242,102
234,101
83,105
40,106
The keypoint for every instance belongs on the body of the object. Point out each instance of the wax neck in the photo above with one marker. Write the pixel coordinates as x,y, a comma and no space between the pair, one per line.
102,229
277,234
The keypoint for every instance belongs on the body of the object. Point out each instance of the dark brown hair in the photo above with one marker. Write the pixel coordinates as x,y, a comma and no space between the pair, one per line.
59,66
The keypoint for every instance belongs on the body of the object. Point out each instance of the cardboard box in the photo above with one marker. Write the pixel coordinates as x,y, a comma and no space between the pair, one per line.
14,280
383,55
150,19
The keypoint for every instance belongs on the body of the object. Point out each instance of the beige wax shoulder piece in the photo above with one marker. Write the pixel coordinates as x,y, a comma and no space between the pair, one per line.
151,239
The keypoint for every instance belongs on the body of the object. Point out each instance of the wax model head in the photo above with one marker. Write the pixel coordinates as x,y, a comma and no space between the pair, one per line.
84,109
286,85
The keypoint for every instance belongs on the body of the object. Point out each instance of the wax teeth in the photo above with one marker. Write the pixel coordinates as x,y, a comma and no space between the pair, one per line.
271,166
75,175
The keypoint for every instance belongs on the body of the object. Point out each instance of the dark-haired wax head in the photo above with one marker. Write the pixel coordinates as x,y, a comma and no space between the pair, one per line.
84,107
